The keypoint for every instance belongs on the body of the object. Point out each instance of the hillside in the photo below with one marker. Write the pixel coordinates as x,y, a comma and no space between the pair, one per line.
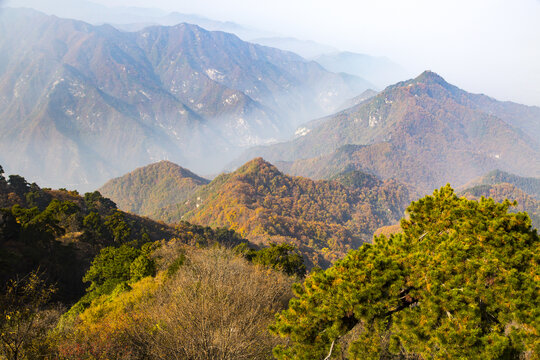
59,232
531,186
366,95
424,132
324,219
502,191
80,104
147,189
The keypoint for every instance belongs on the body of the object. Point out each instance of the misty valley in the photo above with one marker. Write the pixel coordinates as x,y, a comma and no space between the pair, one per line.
178,187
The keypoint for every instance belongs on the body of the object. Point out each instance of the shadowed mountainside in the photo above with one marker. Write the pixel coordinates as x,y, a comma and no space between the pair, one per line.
80,104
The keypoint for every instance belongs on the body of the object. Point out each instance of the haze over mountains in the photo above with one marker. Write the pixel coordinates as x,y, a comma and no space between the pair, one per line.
379,71
132,18
237,178
423,131
82,103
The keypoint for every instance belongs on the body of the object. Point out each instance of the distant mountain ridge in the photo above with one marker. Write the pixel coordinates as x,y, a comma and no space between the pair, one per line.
131,18
147,189
380,71
529,185
80,104
502,191
305,48
424,132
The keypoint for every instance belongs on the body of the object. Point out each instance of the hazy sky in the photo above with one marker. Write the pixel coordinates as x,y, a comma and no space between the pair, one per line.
489,46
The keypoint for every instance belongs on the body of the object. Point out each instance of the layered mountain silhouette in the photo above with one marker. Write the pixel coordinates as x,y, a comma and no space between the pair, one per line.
529,185
80,104
324,219
380,71
502,191
424,132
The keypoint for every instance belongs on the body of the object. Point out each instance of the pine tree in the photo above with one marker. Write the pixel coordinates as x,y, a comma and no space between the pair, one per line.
460,282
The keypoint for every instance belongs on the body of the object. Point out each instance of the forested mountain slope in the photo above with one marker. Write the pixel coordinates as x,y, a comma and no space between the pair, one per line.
501,191
324,219
424,132
58,232
147,189
80,104
531,186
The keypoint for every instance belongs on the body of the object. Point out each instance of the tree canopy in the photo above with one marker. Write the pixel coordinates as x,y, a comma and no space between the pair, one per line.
460,282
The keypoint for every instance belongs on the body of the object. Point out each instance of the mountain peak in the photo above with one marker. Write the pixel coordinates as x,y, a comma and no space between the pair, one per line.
256,165
430,77
144,190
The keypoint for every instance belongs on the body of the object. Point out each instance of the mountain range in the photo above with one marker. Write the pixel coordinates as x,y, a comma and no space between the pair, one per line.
324,219
424,132
82,103
132,18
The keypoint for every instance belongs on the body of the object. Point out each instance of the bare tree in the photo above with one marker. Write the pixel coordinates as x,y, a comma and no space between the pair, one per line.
216,306
24,321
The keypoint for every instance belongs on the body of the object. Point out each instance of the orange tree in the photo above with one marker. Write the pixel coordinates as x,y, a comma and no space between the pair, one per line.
460,282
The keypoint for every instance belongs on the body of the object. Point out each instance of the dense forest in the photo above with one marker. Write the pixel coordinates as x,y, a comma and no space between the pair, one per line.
531,186
146,190
461,281
324,219
501,191
63,255
459,272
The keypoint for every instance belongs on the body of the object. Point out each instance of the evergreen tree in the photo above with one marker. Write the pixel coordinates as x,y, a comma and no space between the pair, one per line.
460,282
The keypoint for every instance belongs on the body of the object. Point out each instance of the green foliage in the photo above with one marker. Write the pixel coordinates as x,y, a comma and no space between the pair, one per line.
502,191
18,184
118,227
175,265
36,197
141,267
93,226
216,305
96,202
114,268
60,232
282,257
9,227
111,267
22,327
460,282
